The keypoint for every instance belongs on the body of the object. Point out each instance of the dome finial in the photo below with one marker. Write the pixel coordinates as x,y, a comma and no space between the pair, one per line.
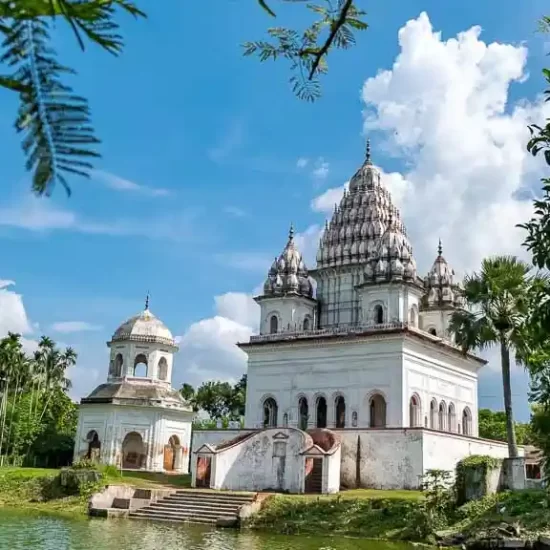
291,232
147,302
367,156
439,249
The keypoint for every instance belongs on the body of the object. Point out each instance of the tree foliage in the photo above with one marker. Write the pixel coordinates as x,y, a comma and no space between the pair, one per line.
498,301
220,400
492,425
58,138
37,417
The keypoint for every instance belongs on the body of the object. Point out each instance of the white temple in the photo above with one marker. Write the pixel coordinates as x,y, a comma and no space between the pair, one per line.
136,420
368,356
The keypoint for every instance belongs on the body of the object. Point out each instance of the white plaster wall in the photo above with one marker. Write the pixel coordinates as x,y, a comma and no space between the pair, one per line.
354,369
396,299
437,319
252,465
439,375
381,459
290,311
113,423
213,437
442,451
332,464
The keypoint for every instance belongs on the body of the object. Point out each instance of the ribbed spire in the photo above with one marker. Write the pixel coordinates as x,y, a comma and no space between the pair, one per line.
367,156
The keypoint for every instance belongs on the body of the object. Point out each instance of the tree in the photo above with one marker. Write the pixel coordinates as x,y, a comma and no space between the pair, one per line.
492,425
58,137
497,298
187,391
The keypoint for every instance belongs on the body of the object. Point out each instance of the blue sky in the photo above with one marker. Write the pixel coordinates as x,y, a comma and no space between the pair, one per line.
200,174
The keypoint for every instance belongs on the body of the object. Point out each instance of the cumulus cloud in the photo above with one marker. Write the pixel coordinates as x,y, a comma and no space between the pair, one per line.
302,162
444,109
68,327
208,350
321,169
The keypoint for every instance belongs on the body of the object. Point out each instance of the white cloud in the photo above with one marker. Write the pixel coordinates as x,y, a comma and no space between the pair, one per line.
302,162
68,327
444,109
13,316
326,201
321,169
208,350
38,215
235,211
120,184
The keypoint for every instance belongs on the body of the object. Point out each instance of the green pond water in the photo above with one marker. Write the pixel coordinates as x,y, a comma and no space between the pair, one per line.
20,531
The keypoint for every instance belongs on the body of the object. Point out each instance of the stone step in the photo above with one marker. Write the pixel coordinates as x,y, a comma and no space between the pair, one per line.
180,514
189,519
231,510
211,501
215,494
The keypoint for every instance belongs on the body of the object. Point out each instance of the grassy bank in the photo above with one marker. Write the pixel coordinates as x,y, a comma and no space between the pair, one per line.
402,515
39,489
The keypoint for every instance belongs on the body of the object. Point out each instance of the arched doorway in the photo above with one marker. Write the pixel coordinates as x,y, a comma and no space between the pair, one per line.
140,365
94,446
321,412
170,453
133,452
340,410
303,409
377,409
271,412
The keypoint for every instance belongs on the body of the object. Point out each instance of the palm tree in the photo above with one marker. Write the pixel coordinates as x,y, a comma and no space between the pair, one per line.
497,300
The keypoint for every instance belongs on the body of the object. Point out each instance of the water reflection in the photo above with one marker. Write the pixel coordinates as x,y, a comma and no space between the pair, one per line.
23,532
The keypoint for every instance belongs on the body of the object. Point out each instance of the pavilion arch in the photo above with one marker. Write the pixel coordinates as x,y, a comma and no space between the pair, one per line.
274,324
378,314
133,452
413,315
339,402
270,412
94,445
321,410
377,409
162,369
118,364
442,417
303,412
432,331
140,365
307,324
451,418
433,414
171,453
467,421
415,411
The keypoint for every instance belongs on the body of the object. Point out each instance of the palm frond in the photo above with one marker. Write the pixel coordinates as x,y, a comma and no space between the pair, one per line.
57,136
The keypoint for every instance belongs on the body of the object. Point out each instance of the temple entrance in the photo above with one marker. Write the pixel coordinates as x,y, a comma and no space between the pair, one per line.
170,453
94,446
314,475
133,452
204,470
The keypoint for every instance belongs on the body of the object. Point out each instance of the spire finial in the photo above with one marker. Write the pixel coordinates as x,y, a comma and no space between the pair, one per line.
439,249
147,302
367,157
291,232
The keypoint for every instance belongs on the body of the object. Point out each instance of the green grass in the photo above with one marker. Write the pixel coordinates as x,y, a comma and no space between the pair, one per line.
369,494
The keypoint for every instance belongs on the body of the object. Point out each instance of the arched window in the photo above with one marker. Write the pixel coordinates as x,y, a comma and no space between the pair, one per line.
377,409
162,369
432,331
273,324
306,323
413,316
433,414
118,365
442,417
140,365
321,412
303,411
378,314
415,412
466,421
340,410
271,412
451,418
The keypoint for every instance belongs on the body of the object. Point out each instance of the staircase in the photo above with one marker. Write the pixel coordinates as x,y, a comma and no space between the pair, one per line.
195,506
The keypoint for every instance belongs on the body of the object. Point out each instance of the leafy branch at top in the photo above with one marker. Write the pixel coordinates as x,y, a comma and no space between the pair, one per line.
307,51
58,138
